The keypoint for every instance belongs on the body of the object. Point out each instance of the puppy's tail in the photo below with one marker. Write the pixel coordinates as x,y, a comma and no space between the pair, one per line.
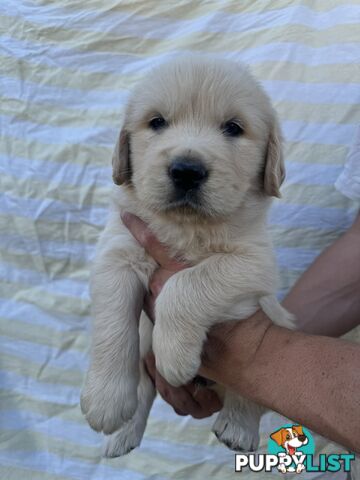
276,312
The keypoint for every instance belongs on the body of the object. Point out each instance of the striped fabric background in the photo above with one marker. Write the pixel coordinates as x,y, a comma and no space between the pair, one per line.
66,69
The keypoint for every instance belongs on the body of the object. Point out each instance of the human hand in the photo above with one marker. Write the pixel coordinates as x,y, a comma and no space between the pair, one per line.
190,399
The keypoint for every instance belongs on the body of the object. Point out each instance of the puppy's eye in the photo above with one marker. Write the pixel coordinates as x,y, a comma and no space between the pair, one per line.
157,123
232,129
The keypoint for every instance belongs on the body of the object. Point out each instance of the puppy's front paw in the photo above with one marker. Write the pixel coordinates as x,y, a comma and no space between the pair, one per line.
108,402
238,437
176,360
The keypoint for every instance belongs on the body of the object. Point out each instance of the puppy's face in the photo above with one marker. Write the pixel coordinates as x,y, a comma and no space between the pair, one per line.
198,135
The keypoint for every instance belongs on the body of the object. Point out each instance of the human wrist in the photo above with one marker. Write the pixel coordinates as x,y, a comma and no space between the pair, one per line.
245,347
257,382
232,347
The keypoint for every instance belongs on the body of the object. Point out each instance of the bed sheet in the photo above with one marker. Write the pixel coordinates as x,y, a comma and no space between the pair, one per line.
66,70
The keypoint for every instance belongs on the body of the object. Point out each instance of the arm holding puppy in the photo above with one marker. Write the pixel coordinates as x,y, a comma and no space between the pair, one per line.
321,373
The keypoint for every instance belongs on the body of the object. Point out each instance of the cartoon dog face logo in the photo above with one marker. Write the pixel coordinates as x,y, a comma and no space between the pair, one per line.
290,439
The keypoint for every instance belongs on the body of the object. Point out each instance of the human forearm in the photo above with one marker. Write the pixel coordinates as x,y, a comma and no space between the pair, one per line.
326,298
313,380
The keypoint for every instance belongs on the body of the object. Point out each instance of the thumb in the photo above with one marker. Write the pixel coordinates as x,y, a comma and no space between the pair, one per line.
147,239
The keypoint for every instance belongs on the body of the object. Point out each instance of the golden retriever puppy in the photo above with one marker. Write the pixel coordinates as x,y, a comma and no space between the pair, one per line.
198,158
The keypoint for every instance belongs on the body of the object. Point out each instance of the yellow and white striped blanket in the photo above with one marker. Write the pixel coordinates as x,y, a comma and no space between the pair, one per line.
66,69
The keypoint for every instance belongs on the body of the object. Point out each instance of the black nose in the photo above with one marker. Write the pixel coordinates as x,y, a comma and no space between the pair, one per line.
302,438
187,174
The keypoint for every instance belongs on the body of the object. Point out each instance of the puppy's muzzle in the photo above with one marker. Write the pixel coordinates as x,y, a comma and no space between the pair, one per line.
187,174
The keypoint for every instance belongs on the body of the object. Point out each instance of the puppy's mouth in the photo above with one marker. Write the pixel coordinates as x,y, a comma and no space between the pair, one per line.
186,201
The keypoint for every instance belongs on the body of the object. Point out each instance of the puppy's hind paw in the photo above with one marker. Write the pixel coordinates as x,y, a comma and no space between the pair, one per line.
235,436
123,441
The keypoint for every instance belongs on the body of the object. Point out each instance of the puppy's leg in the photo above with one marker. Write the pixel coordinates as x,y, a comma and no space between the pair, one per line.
237,424
130,434
109,396
192,301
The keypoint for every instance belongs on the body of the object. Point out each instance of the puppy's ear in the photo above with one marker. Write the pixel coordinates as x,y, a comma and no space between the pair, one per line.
298,429
274,173
277,436
121,159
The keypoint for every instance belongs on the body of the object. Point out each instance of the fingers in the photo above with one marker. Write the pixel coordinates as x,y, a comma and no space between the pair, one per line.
207,399
158,279
156,284
186,400
147,239
178,397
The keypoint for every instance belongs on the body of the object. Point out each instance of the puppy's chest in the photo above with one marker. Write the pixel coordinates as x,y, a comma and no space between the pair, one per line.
193,246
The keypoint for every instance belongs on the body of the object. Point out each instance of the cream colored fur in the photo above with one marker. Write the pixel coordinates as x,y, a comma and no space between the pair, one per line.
225,239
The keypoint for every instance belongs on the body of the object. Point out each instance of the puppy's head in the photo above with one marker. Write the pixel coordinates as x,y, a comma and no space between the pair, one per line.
199,134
